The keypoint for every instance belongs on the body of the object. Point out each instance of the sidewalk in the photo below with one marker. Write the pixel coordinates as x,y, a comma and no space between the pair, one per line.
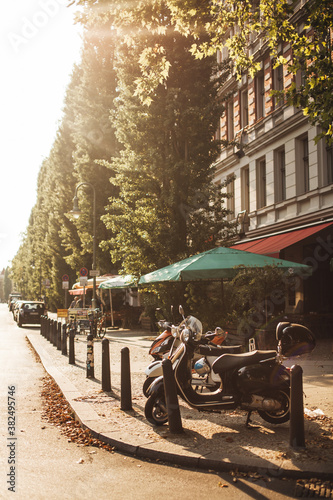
210,441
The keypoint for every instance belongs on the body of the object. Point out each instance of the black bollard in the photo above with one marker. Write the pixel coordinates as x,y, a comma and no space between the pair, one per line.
171,399
42,325
90,356
54,333
49,329
71,357
64,339
106,372
59,336
125,382
296,434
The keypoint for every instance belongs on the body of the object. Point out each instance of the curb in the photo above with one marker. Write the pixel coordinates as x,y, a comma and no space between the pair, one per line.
157,455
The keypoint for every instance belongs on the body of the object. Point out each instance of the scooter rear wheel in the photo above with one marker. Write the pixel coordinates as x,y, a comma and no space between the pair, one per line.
155,410
279,416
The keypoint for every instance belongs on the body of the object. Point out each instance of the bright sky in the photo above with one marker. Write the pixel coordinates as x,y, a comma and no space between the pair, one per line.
38,47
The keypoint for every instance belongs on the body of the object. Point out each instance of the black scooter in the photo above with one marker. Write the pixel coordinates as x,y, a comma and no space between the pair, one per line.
252,381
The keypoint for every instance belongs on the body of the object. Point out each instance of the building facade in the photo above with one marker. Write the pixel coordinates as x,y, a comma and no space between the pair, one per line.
281,182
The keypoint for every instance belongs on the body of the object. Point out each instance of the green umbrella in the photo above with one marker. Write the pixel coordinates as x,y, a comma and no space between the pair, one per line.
127,281
216,264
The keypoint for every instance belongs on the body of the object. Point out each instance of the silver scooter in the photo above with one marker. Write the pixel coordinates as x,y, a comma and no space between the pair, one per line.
203,378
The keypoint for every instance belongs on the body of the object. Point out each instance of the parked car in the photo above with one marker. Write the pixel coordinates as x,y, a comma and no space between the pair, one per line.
13,297
29,312
15,308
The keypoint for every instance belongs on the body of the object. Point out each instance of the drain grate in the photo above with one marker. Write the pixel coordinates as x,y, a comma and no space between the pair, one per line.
314,488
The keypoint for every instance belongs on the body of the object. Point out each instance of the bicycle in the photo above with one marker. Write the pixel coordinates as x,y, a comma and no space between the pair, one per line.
97,323
101,326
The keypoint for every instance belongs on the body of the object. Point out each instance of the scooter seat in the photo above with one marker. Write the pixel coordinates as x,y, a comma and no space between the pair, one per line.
210,350
228,362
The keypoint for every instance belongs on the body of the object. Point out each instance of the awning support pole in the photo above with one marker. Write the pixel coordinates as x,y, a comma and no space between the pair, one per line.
111,308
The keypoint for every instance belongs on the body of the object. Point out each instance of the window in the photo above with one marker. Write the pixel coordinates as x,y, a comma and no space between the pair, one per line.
218,132
244,108
325,163
230,120
261,183
306,177
231,195
302,165
329,164
280,175
278,84
260,95
300,78
245,189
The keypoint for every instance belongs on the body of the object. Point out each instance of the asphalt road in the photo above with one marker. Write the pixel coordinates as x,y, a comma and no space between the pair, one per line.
39,462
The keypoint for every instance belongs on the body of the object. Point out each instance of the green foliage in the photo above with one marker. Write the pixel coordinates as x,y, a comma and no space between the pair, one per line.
40,256
217,24
7,284
244,303
90,102
233,24
167,207
53,245
205,300
313,60
164,296
155,199
254,296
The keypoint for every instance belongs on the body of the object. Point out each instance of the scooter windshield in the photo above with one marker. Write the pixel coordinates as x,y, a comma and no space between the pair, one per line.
195,326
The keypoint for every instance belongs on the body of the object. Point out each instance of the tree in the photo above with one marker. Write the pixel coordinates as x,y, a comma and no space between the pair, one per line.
7,285
235,25
313,59
53,245
255,298
41,255
168,206
94,140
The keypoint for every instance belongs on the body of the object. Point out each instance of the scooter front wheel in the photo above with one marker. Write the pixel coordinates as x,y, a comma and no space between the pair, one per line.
155,410
147,383
279,416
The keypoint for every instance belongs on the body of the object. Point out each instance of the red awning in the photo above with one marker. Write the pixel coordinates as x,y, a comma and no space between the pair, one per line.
272,245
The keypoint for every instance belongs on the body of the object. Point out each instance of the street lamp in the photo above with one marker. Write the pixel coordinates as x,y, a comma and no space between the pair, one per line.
76,212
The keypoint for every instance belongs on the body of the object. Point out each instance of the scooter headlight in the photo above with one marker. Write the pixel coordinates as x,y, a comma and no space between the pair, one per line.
186,334
174,331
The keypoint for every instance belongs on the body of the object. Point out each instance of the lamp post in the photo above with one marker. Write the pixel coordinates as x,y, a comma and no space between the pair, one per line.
76,212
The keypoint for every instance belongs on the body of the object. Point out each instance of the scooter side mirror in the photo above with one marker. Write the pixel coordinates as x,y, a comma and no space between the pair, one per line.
279,329
297,340
172,314
181,311
159,314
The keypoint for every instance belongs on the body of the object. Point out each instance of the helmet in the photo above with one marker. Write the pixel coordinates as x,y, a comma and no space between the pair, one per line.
201,367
